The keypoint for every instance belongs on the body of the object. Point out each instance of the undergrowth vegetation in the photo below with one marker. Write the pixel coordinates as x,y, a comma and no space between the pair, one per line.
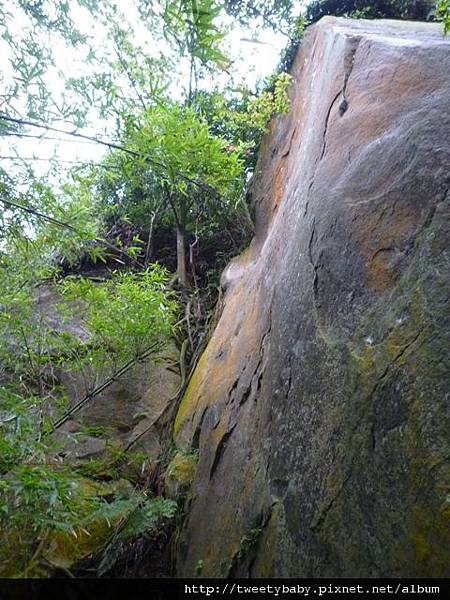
40,495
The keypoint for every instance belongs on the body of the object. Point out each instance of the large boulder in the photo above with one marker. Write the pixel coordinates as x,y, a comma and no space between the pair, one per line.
320,407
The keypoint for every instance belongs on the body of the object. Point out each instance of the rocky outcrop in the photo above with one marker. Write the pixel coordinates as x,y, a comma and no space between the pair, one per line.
112,448
132,413
320,408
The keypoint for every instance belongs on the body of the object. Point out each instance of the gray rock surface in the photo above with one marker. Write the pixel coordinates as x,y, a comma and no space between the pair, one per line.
134,407
320,407
133,410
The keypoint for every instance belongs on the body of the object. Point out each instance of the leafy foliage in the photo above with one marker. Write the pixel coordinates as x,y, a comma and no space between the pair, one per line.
194,164
37,498
249,541
34,252
372,9
185,176
243,118
19,430
192,25
253,120
147,514
183,151
272,13
443,14
125,316
24,30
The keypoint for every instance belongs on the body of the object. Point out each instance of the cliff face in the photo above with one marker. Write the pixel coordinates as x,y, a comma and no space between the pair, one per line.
320,407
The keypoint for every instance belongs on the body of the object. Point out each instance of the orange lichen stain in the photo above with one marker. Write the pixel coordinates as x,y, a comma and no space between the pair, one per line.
216,363
379,237
382,273
224,357
368,122
278,185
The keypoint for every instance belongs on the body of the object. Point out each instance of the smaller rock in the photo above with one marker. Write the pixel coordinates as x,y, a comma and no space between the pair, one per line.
83,447
180,474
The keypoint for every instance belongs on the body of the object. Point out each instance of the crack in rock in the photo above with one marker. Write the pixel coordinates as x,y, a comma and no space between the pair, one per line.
352,44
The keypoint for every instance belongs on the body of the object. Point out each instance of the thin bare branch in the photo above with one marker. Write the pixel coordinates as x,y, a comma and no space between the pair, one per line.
65,225
112,145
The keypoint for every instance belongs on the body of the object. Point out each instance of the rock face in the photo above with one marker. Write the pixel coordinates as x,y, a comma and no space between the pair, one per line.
134,410
320,407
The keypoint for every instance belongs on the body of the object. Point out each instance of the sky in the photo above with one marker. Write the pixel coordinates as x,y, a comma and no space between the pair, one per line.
251,61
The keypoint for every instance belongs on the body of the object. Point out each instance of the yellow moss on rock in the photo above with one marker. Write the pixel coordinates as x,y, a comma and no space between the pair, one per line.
182,468
67,548
186,407
21,553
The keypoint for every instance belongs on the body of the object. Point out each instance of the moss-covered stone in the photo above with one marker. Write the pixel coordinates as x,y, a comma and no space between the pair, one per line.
182,468
65,549
180,473
22,555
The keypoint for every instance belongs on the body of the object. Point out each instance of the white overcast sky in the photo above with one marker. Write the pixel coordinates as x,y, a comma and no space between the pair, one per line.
251,61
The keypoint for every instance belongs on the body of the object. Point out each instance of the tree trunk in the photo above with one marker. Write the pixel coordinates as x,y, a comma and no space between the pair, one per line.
149,250
181,255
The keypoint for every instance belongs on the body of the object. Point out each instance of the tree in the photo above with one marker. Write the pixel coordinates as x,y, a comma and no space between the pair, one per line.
372,9
127,317
443,14
187,165
274,13
193,174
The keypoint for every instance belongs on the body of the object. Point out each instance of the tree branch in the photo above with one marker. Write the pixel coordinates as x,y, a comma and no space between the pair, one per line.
112,145
98,390
131,79
71,133
65,225
38,214
50,158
